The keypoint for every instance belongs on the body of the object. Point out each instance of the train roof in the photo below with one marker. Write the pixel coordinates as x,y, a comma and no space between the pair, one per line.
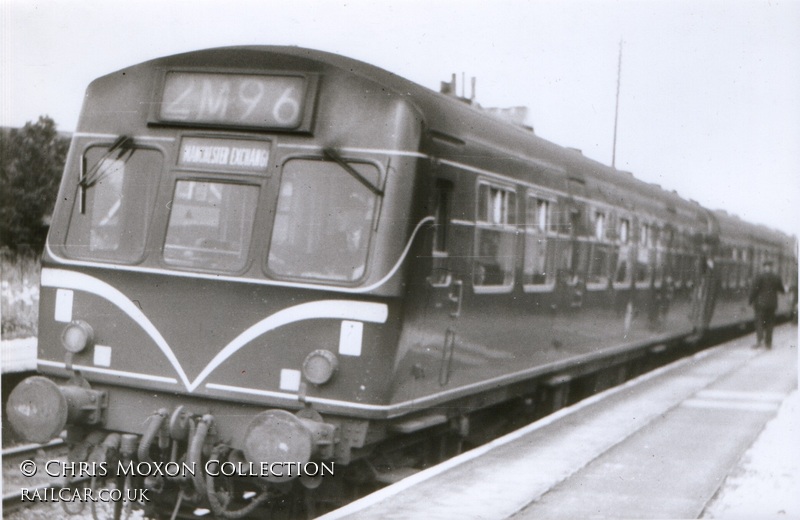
738,230
447,115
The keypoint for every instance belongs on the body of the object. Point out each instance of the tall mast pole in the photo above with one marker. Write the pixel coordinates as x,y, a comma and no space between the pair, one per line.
616,108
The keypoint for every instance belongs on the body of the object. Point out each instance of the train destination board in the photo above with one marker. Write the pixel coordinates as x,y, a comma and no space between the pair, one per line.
226,154
242,100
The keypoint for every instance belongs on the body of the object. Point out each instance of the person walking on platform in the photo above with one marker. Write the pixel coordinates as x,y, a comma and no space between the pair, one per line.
764,299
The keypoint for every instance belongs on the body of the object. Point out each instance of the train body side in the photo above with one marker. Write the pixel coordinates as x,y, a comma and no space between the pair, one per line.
539,256
490,316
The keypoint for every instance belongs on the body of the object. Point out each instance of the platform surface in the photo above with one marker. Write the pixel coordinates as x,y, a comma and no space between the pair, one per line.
17,355
665,445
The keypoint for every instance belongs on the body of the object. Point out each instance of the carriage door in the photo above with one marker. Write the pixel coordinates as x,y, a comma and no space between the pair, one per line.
445,285
705,287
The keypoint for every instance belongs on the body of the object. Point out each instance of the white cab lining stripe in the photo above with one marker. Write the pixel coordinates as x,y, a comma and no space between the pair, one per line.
459,222
331,309
108,371
255,281
294,397
384,151
115,136
252,391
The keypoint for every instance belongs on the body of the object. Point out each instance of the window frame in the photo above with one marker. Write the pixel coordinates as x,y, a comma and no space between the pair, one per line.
376,212
624,253
149,198
535,231
645,245
247,249
507,213
600,240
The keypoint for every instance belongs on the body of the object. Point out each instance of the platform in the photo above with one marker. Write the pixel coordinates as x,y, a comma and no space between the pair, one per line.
665,445
18,355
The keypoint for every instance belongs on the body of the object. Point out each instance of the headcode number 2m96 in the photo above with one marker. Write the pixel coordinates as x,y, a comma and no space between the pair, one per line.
234,99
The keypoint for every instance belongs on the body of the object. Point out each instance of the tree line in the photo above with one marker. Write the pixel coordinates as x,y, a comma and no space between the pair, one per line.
31,163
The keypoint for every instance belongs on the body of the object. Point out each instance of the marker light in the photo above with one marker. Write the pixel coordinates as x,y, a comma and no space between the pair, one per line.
77,336
319,366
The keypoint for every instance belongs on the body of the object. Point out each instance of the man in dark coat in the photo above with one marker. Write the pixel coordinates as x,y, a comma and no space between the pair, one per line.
764,299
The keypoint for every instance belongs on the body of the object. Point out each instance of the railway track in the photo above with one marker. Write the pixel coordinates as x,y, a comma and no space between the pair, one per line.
43,495
31,449
15,483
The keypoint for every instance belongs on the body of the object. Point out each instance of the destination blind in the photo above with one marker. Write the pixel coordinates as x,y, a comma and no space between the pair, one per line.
236,100
238,155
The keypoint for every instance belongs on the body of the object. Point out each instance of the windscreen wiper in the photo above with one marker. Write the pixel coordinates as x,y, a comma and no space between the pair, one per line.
333,155
122,147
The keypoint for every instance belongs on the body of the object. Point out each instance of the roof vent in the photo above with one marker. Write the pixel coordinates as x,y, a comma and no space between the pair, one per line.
450,88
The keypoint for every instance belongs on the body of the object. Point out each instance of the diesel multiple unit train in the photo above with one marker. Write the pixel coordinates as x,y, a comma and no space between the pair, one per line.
267,255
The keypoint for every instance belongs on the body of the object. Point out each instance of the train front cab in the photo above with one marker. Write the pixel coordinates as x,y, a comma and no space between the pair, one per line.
196,287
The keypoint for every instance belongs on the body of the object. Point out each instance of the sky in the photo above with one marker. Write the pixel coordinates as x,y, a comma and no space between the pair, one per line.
709,98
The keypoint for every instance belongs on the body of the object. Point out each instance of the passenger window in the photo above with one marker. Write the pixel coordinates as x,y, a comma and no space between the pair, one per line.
538,266
599,225
623,274
621,260
495,236
604,258
624,230
660,258
495,205
645,256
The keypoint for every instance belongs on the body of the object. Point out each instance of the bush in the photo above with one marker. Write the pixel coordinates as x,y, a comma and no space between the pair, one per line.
31,162
19,294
